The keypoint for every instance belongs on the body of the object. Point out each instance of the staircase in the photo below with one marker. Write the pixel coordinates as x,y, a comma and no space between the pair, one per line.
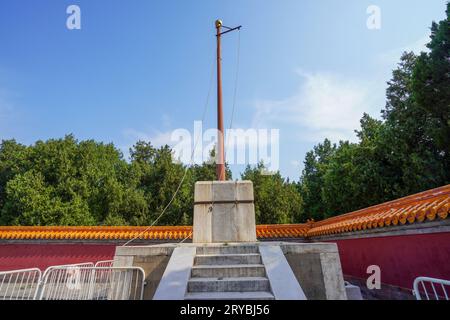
231,272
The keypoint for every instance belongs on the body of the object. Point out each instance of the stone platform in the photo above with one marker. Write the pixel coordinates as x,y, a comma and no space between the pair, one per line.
224,212
256,270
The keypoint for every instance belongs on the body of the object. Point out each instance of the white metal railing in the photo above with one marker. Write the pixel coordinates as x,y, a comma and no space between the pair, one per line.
73,265
104,263
81,281
439,288
20,284
93,283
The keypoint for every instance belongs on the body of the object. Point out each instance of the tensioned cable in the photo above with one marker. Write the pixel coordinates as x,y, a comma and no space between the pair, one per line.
234,104
238,54
205,109
186,237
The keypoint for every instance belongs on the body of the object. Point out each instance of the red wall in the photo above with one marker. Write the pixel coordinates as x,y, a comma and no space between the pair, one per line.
22,256
400,258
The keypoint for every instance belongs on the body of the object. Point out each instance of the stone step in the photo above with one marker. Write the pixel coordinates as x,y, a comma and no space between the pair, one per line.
231,249
227,259
254,295
234,271
244,284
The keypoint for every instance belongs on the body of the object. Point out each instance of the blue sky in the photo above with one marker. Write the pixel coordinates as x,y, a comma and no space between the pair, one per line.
140,69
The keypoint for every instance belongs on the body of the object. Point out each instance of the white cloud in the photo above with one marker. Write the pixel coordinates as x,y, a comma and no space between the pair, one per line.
392,57
157,138
296,163
325,105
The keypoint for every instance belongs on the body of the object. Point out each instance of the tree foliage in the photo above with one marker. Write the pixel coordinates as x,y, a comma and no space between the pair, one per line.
405,153
431,86
276,199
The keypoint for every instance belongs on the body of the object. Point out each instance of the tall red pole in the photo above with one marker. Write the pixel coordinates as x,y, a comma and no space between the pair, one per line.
220,164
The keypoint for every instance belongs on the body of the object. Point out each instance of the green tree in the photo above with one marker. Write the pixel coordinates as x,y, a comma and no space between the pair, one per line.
431,86
207,170
66,182
355,176
401,155
38,205
312,180
414,161
13,160
160,178
276,199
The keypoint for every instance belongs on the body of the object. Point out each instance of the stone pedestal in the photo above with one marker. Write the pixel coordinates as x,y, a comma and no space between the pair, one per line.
224,212
191,270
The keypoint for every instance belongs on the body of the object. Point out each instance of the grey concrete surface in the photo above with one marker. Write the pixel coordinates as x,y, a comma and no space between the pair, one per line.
315,266
175,278
353,292
224,212
308,271
228,272
238,284
333,277
153,259
256,295
223,249
283,282
224,259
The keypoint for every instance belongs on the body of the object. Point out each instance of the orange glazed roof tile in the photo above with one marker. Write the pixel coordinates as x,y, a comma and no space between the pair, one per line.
425,206
127,233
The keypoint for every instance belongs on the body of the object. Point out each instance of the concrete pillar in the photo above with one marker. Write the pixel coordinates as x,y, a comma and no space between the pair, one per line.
224,212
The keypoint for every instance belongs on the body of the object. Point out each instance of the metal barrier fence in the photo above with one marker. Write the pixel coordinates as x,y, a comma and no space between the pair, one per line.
78,265
82,281
93,283
20,284
439,288
105,263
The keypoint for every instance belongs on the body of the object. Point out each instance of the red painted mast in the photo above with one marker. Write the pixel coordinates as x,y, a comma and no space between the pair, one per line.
220,157
220,164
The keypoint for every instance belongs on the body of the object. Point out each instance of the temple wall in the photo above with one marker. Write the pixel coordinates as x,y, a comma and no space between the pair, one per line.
25,255
401,256
28,247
